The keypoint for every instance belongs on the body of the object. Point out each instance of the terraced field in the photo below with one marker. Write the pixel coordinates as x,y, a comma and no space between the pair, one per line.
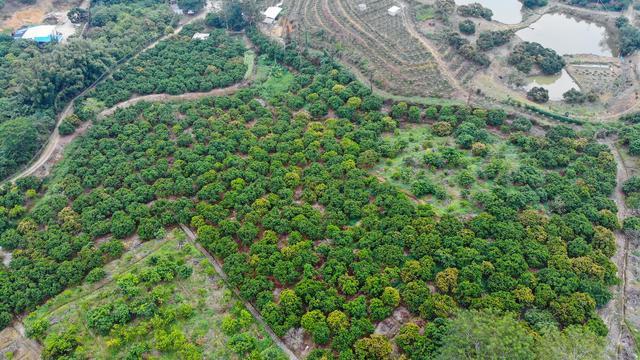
380,46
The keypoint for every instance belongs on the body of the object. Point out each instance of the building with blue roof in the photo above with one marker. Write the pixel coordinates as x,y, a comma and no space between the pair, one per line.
42,34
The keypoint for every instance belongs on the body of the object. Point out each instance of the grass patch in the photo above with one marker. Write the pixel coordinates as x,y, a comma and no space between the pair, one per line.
425,12
274,79
249,60
407,167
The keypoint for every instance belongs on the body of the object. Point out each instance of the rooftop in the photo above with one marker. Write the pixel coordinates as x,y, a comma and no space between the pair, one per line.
272,12
40,33
200,36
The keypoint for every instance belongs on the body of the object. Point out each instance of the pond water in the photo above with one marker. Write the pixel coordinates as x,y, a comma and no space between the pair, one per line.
555,84
567,35
504,11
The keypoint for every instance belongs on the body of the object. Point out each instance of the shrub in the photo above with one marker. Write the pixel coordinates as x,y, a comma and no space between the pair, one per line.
95,275
526,54
66,127
492,39
467,27
475,10
538,94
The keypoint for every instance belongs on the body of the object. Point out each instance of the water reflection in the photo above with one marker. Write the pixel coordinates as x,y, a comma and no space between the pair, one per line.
567,35
555,84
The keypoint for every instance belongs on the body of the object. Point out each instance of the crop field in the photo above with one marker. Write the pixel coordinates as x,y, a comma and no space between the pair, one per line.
201,318
380,46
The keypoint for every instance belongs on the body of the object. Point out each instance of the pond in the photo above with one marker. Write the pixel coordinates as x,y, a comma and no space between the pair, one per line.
567,35
555,84
504,11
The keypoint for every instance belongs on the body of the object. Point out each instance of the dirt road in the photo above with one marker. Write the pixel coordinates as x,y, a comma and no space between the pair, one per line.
192,239
460,91
166,97
620,342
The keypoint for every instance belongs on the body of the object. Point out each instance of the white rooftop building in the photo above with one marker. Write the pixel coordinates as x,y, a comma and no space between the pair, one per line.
362,7
39,34
271,14
394,10
200,36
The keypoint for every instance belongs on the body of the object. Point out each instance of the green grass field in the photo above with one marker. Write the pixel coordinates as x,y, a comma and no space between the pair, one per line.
405,168
249,60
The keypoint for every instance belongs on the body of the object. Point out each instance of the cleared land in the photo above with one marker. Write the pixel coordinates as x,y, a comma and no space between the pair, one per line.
380,46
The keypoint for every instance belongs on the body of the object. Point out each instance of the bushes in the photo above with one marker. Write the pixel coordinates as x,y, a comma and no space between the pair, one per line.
632,118
629,36
491,39
527,54
466,50
475,10
631,189
102,318
190,5
538,94
467,27
532,4
68,125
95,275
574,96
610,5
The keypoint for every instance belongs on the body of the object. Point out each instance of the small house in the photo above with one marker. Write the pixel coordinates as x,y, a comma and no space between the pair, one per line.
394,10
271,14
362,7
200,36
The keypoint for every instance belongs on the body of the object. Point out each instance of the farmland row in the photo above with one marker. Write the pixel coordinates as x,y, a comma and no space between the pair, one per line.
396,59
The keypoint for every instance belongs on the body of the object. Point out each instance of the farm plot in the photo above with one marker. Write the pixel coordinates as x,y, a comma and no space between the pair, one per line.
601,78
161,298
377,44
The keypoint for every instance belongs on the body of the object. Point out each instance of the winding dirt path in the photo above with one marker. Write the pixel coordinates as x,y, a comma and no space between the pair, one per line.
167,97
192,239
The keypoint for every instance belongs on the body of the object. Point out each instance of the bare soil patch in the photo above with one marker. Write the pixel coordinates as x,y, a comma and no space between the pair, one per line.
16,14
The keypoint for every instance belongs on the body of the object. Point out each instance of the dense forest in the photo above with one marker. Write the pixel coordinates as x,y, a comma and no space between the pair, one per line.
278,187
40,81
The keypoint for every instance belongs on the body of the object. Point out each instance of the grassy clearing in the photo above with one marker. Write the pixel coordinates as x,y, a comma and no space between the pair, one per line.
425,12
203,291
407,167
249,60
274,79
